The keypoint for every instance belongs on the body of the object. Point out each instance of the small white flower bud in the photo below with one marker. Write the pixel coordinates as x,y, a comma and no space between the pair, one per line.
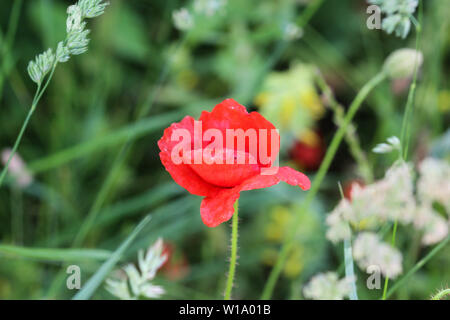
292,32
382,148
401,63
182,19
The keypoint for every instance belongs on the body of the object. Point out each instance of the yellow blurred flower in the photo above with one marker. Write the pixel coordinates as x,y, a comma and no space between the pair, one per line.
310,138
187,79
278,221
294,263
269,256
262,99
310,99
444,101
290,99
364,224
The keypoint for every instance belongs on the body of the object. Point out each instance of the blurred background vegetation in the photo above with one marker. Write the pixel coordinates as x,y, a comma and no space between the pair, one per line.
141,74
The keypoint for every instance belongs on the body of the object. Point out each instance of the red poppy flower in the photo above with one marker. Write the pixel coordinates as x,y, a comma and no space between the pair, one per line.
221,183
309,151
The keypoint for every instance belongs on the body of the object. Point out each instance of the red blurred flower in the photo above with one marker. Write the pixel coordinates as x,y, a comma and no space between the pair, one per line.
309,151
348,188
176,266
221,184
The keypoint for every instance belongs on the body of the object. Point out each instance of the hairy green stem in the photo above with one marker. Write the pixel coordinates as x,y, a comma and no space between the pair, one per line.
233,258
329,156
441,294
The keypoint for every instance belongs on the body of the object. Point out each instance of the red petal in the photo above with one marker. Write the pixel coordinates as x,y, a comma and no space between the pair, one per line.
225,174
294,178
219,208
231,115
183,173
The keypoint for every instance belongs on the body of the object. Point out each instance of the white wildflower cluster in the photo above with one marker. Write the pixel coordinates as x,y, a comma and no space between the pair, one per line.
398,15
433,186
338,227
433,226
434,182
132,283
184,19
389,199
327,286
393,199
17,168
370,250
76,41
209,7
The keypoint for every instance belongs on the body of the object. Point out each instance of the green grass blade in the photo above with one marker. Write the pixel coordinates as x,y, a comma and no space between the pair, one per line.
349,270
49,254
417,266
96,280
132,132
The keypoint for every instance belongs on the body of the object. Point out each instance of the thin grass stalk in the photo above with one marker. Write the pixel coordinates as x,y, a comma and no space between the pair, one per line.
350,136
417,266
36,99
7,44
407,119
348,261
329,156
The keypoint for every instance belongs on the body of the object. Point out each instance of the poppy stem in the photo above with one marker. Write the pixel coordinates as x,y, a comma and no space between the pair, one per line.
233,258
